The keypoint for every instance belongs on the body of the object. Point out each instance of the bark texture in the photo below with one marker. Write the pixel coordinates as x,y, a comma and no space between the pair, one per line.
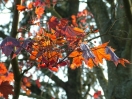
119,78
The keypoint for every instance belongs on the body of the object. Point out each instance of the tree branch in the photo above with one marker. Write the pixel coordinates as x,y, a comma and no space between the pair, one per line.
58,81
14,62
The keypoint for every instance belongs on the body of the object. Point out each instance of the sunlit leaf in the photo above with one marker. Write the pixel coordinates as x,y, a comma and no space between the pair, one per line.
39,11
21,8
3,69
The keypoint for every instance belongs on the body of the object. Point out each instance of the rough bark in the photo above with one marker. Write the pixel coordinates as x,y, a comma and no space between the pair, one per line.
119,78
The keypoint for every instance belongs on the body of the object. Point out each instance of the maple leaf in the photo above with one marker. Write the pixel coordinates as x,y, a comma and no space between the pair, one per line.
39,11
3,69
8,45
55,69
21,8
123,61
30,5
9,77
6,89
28,92
74,20
77,61
69,31
87,53
90,62
73,66
53,22
38,83
97,94
1,95
100,53
75,53
114,57
27,44
63,63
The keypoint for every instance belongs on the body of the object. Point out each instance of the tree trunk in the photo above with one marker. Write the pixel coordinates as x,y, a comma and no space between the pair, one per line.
119,78
73,85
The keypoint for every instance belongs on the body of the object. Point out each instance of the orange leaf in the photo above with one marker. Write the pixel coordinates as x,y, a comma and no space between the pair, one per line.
28,92
78,30
73,66
55,69
75,53
33,55
3,69
123,61
60,41
39,11
21,8
6,89
100,53
1,95
27,84
30,5
9,77
77,61
90,63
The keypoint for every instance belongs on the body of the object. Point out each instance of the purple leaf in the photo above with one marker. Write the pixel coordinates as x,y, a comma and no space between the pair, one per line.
8,45
114,57
87,53
26,43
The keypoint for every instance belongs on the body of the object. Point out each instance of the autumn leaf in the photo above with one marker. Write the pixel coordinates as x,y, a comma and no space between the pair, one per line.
28,84
54,69
100,53
87,53
9,77
28,92
38,83
114,57
39,11
78,30
3,69
21,8
30,5
72,32
1,95
73,66
75,53
90,63
33,55
97,94
53,22
78,60
123,61
6,89
8,45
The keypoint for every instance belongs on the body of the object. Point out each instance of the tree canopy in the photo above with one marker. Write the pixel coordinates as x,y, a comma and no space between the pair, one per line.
53,36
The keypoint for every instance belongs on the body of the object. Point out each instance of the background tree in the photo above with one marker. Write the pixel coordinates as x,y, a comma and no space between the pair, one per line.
114,24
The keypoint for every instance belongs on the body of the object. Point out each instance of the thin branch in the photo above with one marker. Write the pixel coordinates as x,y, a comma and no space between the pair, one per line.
108,30
14,61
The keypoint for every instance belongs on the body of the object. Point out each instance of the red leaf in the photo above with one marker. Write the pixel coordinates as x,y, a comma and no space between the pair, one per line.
97,94
38,83
6,89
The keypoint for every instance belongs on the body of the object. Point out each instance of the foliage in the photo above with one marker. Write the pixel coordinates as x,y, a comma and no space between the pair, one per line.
63,43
